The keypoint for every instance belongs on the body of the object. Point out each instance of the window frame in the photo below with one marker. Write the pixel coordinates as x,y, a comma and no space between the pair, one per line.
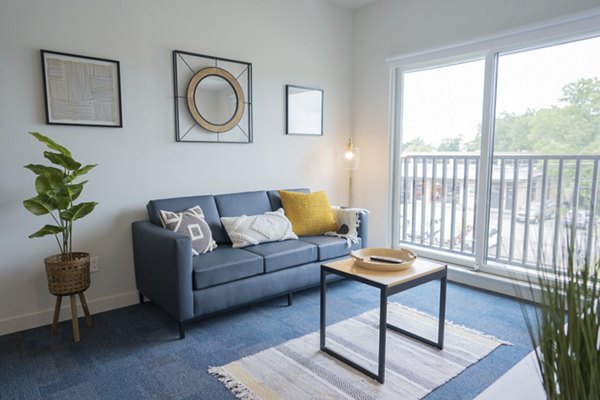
553,32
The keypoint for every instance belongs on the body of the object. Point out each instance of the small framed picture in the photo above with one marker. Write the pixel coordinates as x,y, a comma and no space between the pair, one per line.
304,114
81,90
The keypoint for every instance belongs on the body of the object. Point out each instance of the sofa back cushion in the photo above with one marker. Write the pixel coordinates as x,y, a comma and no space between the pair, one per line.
177,204
243,203
275,198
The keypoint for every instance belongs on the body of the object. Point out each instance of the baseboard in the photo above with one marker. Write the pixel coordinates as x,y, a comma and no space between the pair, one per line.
493,283
41,318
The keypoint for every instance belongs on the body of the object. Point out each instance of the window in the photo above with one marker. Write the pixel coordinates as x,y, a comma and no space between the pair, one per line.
547,118
498,150
440,156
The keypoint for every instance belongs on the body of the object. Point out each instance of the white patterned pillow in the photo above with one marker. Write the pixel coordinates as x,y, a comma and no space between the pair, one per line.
190,222
246,230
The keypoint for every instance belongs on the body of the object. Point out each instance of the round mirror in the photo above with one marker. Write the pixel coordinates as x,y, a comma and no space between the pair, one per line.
215,99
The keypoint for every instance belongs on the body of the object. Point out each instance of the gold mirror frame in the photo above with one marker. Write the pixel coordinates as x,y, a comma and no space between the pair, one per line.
191,99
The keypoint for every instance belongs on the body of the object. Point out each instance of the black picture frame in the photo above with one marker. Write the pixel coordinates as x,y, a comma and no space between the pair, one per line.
304,110
189,127
94,92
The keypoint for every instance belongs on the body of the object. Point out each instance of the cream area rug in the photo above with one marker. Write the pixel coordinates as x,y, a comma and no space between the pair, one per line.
297,369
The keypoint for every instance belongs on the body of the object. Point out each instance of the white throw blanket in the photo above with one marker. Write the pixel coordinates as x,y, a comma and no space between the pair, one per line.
348,220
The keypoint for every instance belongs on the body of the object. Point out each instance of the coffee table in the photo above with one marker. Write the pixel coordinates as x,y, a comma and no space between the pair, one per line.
389,283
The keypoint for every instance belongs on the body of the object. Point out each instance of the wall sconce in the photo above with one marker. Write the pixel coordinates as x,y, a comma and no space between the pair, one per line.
349,150
351,158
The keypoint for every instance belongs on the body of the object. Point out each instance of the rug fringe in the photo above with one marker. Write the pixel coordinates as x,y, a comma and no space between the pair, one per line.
466,328
235,387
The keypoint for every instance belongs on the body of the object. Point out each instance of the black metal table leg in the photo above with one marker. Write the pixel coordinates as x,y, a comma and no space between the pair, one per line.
382,334
442,314
385,292
441,320
323,308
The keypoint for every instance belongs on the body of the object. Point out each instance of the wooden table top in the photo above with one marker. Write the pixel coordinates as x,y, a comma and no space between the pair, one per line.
419,268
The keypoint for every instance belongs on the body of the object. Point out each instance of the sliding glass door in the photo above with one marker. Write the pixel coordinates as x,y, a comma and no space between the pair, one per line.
440,156
546,152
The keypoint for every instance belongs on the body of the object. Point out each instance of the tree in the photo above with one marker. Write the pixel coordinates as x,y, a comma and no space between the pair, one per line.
573,128
450,144
585,94
417,145
475,144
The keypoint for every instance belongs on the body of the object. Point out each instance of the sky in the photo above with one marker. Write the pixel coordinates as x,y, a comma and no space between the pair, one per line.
446,102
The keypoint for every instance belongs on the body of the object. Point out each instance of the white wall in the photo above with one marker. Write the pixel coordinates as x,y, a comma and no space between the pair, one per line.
306,42
390,28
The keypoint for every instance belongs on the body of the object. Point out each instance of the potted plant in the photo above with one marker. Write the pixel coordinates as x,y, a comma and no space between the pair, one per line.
57,190
565,328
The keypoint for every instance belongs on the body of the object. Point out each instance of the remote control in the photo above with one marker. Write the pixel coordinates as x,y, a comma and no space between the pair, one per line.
387,259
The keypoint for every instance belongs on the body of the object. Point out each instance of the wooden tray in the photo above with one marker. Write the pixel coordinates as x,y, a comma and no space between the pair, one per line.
362,258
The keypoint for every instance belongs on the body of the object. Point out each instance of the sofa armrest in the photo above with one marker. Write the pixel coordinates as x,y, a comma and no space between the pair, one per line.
163,268
363,228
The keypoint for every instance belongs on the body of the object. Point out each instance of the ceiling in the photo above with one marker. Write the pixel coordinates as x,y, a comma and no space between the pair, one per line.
353,3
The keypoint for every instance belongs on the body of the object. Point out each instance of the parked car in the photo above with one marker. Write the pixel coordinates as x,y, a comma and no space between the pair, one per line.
492,239
581,219
535,211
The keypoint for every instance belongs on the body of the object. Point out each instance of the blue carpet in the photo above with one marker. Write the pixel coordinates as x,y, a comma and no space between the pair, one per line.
133,352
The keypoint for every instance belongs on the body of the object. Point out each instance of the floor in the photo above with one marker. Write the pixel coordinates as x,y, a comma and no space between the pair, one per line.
134,352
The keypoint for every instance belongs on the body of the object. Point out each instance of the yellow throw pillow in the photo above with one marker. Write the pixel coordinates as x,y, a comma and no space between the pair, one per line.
310,214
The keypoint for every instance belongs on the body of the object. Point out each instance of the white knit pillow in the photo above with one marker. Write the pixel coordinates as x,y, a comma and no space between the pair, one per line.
246,230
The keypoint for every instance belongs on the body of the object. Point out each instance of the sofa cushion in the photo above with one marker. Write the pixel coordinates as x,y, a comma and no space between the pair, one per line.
289,253
275,198
246,230
331,247
245,203
223,265
177,204
310,214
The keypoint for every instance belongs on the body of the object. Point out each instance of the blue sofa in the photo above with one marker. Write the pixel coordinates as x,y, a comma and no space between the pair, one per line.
190,287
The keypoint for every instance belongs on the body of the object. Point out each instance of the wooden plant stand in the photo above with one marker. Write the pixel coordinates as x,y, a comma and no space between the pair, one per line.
88,318
69,275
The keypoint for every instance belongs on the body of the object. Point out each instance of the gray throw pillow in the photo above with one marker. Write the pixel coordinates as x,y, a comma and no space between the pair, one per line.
191,223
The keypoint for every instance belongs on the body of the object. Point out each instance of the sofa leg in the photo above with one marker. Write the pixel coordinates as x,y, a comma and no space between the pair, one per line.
181,331
289,299
141,297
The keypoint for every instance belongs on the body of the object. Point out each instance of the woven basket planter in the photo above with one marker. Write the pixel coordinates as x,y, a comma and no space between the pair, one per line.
68,274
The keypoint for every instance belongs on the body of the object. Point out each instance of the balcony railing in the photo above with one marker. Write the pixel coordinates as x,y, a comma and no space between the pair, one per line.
537,205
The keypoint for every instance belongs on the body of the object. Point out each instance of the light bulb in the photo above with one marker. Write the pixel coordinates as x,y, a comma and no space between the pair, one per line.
349,154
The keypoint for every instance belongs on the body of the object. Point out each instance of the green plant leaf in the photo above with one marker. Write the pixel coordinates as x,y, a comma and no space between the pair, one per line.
50,183
75,190
54,187
40,205
78,211
47,230
51,143
81,171
39,169
65,161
